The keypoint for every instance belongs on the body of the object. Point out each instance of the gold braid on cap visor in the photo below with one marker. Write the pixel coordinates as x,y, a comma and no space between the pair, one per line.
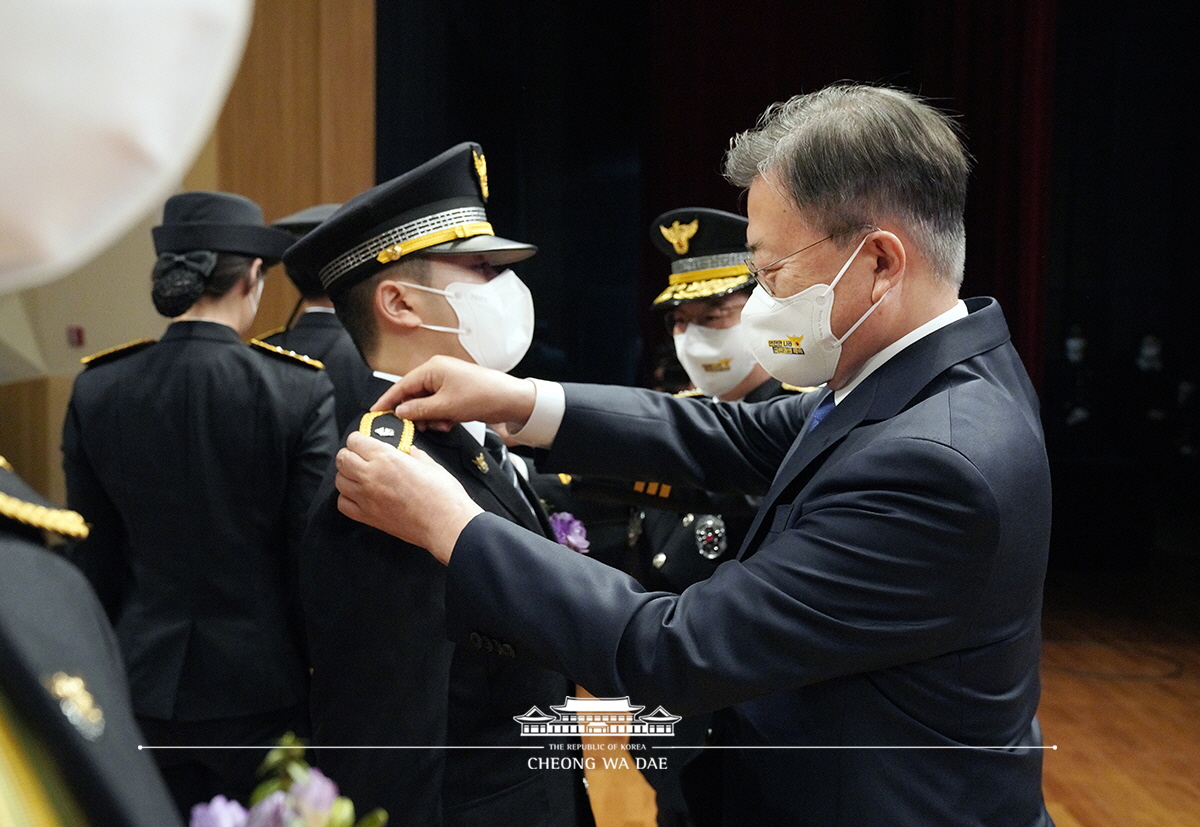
426,231
705,276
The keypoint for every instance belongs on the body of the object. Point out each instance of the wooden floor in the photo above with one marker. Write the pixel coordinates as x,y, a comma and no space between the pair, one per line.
1120,700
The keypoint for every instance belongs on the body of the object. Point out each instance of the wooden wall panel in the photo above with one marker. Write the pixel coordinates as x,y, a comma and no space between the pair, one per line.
298,128
31,414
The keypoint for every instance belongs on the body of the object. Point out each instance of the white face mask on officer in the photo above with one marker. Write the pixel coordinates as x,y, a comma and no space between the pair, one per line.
495,319
717,359
792,337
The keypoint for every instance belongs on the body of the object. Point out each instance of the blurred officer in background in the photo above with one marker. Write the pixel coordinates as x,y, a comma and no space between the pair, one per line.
318,333
68,740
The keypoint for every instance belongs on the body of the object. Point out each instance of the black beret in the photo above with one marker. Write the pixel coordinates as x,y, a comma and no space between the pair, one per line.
219,221
707,249
435,209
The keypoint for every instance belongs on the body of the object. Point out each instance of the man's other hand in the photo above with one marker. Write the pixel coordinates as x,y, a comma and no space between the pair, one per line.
444,391
407,495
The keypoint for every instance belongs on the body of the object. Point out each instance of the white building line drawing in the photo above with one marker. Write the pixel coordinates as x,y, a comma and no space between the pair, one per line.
597,716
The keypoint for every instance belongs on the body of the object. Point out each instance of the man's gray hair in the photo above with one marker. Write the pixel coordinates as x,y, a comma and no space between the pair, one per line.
851,155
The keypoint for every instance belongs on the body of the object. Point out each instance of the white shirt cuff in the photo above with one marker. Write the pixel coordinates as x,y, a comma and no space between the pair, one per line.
548,408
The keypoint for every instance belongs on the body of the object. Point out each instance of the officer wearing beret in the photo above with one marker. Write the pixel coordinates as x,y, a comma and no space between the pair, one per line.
317,332
68,740
414,269
195,459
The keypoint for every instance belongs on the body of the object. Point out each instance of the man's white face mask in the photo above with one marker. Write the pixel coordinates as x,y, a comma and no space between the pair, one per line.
495,319
792,337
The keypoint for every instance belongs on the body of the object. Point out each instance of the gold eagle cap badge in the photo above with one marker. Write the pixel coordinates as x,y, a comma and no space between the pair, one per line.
481,171
680,234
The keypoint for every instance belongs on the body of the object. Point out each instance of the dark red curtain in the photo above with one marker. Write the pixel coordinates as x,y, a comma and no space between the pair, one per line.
713,74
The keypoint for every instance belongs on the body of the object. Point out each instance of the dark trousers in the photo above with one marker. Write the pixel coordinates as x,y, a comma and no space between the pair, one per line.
195,767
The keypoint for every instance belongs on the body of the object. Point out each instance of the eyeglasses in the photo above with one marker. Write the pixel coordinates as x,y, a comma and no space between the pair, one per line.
755,272
712,315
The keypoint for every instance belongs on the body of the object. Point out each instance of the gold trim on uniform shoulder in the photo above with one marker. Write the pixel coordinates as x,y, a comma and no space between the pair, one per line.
113,351
799,388
60,520
367,427
290,354
680,234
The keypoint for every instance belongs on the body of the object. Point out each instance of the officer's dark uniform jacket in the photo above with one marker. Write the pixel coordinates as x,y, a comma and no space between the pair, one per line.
62,685
195,459
385,674
321,336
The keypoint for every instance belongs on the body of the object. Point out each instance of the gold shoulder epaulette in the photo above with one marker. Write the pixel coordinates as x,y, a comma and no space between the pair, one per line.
689,393
799,388
271,333
119,350
288,354
385,426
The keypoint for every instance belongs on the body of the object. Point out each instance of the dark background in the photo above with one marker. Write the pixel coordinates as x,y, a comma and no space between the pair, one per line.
595,118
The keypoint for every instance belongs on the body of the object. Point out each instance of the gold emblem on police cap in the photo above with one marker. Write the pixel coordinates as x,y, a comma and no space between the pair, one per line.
77,704
680,234
481,171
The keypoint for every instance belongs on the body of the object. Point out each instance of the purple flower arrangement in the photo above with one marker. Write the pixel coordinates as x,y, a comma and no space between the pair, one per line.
293,794
569,531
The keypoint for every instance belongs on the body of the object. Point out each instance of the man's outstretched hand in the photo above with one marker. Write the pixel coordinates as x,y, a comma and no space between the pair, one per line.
444,391
407,495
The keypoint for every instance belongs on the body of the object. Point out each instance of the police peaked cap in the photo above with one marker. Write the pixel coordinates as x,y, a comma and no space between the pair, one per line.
434,209
219,221
707,249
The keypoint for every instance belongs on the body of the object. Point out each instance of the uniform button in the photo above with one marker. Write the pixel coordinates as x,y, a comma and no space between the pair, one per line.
476,640
658,560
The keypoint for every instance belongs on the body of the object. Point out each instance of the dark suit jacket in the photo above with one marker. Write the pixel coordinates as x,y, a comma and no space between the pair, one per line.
888,594
195,460
384,673
51,622
321,336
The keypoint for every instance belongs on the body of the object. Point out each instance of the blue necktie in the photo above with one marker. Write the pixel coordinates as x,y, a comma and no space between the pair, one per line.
822,410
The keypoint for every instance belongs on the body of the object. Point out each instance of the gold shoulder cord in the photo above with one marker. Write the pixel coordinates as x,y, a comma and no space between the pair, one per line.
291,354
406,436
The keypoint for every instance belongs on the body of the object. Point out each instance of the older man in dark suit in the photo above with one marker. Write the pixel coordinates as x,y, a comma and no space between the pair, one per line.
413,269
874,648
